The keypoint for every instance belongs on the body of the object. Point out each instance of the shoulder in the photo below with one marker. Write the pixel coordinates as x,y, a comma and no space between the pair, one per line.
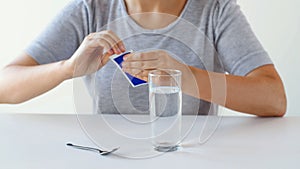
209,5
222,5
91,4
94,9
96,2
226,1
212,3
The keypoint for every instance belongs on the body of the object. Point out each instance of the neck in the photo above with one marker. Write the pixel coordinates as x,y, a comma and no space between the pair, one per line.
154,14
173,7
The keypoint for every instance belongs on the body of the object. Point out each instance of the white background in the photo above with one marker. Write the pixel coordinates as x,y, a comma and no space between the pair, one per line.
275,22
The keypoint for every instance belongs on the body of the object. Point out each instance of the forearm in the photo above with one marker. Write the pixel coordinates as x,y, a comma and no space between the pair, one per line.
259,95
21,83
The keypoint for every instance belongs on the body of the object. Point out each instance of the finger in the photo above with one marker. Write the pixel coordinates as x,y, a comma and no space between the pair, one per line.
152,64
141,56
133,72
113,44
139,76
107,37
145,79
143,75
117,40
132,64
106,46
95,42
104,58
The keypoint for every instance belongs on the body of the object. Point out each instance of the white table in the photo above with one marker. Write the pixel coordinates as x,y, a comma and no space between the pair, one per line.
38,141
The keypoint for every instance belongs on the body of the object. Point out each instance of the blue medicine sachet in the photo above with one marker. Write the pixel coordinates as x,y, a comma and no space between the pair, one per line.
118,59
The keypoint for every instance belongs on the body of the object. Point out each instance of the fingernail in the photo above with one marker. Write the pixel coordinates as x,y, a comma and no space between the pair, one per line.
119,51
125,57
123,48
116,51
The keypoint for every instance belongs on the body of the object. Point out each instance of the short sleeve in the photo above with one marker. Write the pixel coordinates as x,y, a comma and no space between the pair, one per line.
237,46
62,36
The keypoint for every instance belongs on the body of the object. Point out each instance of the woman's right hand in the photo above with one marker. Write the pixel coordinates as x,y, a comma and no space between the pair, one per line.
94,53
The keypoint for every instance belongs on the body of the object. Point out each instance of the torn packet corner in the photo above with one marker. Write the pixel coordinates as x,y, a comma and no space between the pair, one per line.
118,60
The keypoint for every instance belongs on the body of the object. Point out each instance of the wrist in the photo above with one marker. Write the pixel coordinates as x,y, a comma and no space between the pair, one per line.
67,69
190,81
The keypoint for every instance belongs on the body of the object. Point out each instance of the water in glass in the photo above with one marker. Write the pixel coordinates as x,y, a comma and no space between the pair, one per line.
165,112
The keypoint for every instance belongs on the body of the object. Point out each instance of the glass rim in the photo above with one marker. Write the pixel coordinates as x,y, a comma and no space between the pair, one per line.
173,72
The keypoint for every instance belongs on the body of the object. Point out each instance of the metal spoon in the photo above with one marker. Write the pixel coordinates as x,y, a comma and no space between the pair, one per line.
102,152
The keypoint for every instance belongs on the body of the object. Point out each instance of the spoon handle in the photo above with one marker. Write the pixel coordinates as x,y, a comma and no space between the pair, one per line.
84,148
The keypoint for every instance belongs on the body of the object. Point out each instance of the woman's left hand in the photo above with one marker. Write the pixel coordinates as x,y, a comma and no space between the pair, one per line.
140,64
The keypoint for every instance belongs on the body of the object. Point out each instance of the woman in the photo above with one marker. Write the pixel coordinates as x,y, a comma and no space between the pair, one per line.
225,66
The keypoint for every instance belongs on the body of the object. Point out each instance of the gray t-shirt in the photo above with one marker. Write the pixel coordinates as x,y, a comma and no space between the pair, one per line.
209,34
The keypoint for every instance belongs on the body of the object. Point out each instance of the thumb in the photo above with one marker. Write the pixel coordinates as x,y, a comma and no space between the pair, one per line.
104,59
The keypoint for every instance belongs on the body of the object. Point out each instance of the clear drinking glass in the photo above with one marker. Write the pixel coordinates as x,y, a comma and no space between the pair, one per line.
165,99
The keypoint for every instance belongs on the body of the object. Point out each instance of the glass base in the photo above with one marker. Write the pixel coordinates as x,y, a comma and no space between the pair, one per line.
166,148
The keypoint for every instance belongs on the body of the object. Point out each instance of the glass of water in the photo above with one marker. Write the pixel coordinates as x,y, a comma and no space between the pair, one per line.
165,99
